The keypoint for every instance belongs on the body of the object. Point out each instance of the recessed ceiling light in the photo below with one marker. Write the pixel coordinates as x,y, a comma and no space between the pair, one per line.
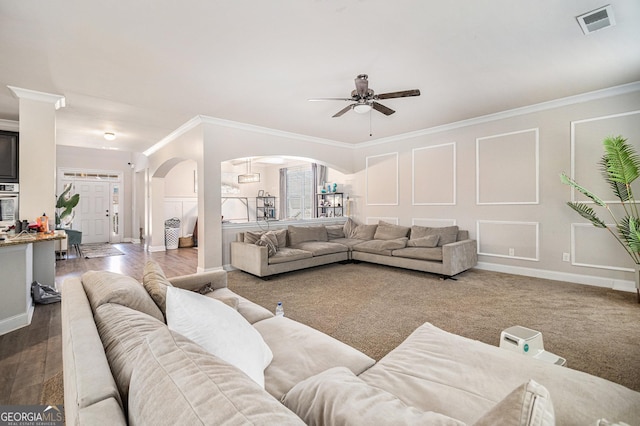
109,136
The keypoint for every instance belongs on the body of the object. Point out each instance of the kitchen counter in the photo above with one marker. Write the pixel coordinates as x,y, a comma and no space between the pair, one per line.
24,259
12,240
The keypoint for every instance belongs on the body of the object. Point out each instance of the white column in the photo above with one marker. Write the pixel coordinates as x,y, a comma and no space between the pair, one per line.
37,116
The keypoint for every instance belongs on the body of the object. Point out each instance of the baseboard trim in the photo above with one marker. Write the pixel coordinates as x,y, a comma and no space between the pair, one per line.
17,321
200,270
621,285
154,249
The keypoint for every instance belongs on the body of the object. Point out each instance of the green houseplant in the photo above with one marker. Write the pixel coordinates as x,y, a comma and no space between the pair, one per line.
620,167
65,205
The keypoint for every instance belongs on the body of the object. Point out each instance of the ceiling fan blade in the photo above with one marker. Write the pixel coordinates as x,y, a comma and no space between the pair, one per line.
329,99
342,111
381,108
362,85
402,94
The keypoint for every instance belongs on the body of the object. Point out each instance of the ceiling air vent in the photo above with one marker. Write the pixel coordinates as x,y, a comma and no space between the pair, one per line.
597,19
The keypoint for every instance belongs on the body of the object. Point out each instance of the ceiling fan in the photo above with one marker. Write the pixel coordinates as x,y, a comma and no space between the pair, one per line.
365,99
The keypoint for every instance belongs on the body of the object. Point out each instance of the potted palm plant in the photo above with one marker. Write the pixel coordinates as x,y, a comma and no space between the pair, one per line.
620,166
64,207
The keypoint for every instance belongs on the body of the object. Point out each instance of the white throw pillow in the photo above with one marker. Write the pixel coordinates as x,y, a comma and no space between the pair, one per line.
220,330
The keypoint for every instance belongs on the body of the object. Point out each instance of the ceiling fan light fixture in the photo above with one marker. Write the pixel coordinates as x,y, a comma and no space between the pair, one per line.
362,108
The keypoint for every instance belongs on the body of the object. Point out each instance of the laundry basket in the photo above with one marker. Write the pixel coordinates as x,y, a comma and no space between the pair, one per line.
171,233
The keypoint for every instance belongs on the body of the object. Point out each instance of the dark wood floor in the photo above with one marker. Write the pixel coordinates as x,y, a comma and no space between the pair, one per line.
32,355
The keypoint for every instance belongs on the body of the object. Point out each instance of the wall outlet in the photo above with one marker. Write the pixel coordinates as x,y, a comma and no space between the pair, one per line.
566,257
512,252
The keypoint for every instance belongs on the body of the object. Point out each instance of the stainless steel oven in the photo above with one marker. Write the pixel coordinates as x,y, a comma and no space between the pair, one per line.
9,203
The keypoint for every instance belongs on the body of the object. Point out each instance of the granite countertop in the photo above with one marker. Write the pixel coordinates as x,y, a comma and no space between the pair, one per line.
14,240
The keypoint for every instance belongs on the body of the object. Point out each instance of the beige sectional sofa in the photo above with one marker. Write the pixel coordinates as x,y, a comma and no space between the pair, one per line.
124,363
446,251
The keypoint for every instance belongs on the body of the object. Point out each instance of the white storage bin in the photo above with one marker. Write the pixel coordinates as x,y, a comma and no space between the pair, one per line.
171,238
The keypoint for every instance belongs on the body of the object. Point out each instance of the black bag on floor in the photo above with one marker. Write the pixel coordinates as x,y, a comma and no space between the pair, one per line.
43,294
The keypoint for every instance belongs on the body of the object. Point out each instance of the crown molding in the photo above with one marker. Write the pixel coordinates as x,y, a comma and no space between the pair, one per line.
203,119
543,106
58,101
556,103
10,125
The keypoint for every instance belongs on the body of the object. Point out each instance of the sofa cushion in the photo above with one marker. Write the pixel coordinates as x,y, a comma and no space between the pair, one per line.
288,254
109,287
178,382
448,234
319,248
220,330
301,234
349,242
122,331
365,232
528,405
156,283
427,241
390,231
348,400
300,351
335,231
421,253
383,247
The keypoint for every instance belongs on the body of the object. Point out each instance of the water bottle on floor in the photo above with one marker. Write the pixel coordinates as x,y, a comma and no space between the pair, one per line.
279,310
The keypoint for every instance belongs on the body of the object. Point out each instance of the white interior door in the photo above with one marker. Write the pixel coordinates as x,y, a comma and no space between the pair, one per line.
92,217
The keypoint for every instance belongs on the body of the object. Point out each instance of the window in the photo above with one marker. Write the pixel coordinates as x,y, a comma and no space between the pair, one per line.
299,190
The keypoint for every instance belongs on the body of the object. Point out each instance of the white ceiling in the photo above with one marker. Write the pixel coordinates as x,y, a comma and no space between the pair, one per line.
143,68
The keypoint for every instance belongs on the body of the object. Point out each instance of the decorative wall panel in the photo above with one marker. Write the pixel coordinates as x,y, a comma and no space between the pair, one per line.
609,254
507,168
382,180
516,240
434,175
587,150
433,223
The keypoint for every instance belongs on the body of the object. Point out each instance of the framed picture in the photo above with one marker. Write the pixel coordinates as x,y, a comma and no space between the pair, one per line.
261,193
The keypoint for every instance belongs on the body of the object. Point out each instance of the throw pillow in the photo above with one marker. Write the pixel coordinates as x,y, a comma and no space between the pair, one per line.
281,235
270,241
365,232
219,329
349,228
156,283
390,231
175,381
428,241
251,237
448,234
335,231
527,405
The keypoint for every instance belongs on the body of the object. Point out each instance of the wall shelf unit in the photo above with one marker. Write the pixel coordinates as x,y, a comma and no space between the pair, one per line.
330,204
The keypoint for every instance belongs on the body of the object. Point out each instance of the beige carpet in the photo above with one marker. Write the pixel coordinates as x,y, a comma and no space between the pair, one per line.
374,308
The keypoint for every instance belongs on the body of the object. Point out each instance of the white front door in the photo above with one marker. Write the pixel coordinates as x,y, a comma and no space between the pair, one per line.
92,217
